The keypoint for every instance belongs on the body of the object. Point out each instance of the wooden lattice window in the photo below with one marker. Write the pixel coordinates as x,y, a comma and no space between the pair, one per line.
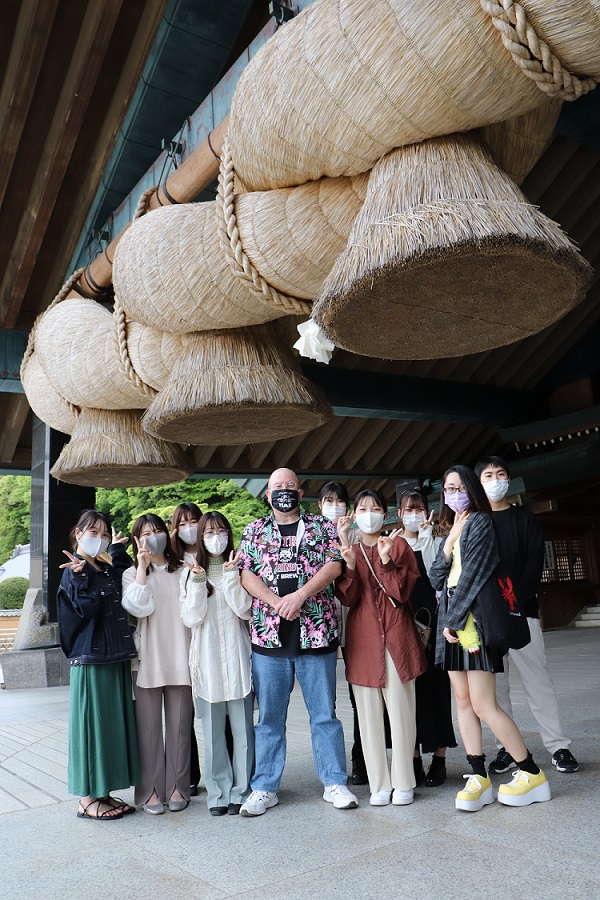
564,560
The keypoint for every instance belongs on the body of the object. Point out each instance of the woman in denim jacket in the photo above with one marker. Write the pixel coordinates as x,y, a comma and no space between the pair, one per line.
96,638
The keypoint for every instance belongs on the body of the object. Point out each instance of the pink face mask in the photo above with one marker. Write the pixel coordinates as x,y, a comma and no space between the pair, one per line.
459,502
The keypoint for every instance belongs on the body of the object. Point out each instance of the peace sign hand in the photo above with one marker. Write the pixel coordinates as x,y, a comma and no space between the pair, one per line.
384,544
144,557
348,554
233,561
76,565
343,527
194,567
118,538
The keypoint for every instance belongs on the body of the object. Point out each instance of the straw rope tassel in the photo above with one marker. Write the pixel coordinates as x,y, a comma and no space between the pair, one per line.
231,243
533,56
62,294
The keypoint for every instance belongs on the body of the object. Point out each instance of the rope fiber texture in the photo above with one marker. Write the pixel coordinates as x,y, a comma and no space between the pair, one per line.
533,56
231,244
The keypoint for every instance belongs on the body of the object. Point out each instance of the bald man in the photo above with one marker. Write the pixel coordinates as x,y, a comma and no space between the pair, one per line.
289,561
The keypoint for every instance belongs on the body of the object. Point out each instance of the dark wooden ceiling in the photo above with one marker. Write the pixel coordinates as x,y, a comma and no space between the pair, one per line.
68,70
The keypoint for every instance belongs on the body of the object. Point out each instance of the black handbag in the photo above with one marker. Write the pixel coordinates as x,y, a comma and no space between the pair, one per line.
497,609
423,628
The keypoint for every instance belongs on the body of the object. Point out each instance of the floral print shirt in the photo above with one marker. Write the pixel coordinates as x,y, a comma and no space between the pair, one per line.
259,549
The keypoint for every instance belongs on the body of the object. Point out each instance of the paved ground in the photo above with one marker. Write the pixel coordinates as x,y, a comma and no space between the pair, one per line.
304,848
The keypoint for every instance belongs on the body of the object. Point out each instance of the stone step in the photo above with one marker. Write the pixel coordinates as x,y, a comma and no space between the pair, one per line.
590,616
588,624
593,609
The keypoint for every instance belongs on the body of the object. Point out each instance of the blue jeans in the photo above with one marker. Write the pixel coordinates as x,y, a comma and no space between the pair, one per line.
273,683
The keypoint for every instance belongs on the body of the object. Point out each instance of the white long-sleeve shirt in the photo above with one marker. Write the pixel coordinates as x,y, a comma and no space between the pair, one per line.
220,652
164,641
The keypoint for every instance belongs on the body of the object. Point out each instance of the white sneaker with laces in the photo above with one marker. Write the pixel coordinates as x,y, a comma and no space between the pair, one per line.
258,803
340,796
402,798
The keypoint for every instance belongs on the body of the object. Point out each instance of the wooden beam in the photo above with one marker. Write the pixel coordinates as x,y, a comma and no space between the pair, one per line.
17,409
147,26
23,68
376,395
546,429
71,109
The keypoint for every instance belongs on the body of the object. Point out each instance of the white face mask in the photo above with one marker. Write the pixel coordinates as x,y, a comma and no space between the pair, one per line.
216,543
188,534
412,521
93,546
497,489
333,511
370,522
155,543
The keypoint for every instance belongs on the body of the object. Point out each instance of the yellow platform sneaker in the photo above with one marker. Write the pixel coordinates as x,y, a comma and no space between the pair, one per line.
524,789
476,794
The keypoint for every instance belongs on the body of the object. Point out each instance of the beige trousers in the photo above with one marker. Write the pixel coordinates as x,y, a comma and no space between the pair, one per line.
400,702
164,761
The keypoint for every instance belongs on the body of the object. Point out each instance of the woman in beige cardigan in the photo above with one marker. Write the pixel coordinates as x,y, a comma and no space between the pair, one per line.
151,596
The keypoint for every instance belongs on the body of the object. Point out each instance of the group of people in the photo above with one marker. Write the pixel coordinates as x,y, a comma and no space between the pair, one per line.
195,625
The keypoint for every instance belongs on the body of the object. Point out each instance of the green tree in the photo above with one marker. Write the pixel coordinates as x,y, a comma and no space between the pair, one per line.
124,505
15,503
12,592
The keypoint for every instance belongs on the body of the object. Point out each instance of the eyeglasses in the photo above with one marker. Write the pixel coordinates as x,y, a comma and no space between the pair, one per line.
289,485
222,532
453,490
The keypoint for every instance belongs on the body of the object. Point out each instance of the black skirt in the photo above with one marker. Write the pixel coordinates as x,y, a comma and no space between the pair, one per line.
487,659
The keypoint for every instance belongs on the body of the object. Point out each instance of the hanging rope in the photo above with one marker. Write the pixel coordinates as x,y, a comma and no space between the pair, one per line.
231,243
533,56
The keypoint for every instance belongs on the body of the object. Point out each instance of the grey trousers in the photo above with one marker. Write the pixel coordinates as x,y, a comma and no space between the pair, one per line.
164,761
226,783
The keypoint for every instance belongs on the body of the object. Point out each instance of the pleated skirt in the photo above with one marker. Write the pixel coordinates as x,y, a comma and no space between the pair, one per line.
103,752
487,659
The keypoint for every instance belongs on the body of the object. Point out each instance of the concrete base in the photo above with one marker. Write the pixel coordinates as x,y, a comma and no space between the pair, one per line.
46,667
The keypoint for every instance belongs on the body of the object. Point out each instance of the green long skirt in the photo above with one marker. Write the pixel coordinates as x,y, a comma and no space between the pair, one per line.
103,753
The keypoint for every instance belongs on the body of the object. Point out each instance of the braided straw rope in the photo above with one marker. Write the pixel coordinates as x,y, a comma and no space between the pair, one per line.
62,294
128,367
142,204
533,56
231,244
119,313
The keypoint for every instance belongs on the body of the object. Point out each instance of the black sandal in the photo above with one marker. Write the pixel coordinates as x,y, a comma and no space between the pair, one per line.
117,803
107,815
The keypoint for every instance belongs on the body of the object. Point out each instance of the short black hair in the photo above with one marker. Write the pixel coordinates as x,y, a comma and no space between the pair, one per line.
334,487
495,461
374,495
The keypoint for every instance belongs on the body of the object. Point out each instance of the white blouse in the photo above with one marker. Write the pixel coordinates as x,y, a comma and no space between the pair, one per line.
164,641
220,652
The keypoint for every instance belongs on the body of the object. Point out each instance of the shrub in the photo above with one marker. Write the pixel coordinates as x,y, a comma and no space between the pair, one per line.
12,592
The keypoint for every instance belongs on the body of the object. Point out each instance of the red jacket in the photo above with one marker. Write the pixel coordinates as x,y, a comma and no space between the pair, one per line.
374,624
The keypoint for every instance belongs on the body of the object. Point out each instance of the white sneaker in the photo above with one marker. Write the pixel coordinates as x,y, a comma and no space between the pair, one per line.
340,796
402,798
382,798
258,803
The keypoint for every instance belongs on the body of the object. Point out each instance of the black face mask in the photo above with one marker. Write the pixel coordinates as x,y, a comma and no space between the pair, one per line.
285,501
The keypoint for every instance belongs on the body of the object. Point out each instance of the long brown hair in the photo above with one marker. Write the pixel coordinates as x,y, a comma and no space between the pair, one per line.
187,510
159,526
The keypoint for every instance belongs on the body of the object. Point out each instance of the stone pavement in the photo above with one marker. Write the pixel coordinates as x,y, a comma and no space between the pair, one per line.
304,848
